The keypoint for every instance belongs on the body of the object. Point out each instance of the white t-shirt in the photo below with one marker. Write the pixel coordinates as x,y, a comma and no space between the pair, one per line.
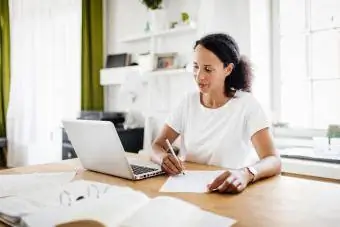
218,136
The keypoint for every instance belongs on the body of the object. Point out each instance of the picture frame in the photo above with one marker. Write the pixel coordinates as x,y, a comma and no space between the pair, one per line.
164,61
118,60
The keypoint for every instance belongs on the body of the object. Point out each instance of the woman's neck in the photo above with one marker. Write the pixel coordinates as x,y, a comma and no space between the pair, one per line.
214,100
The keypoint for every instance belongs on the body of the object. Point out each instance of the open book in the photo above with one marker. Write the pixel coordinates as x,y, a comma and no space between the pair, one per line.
109,205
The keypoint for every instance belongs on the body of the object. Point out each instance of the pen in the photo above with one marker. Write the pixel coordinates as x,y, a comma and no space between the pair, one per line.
173,153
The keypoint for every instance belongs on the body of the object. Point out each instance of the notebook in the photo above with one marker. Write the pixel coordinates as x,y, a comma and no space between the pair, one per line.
111,206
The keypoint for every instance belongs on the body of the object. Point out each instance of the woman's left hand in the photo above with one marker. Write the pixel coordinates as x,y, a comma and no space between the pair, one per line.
231,181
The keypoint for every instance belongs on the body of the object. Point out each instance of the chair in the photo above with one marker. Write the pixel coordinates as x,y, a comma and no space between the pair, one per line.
3,144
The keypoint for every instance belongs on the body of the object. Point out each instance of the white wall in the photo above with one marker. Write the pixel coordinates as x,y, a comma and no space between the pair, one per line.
126,17
232,17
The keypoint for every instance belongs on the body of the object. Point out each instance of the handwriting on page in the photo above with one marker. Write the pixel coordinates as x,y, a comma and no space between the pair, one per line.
192,181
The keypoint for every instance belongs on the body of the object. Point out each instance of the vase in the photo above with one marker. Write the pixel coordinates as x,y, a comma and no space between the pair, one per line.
158,20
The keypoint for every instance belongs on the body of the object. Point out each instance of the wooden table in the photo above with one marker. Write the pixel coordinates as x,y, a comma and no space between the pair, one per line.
278,201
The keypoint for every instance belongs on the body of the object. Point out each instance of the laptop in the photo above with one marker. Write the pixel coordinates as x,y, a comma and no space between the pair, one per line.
99,149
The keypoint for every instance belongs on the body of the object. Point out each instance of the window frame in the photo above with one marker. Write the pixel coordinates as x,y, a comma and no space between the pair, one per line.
276,91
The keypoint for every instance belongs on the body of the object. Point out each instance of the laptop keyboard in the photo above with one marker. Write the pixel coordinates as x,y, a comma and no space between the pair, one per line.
141,169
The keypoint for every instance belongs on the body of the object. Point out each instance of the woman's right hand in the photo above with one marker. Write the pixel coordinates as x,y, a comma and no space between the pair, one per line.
170,165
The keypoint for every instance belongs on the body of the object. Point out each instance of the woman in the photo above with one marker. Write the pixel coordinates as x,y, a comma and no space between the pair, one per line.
218,123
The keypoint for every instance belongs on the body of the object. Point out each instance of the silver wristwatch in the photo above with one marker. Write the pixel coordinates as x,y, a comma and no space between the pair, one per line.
253,172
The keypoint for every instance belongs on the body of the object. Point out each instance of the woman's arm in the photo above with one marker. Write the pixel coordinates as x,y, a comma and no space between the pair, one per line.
159,151
270,162
234,181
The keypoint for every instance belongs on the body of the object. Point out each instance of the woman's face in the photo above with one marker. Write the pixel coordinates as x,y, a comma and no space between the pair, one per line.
209,71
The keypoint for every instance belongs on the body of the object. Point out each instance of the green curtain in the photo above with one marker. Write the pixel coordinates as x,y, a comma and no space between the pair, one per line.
4,64
92,55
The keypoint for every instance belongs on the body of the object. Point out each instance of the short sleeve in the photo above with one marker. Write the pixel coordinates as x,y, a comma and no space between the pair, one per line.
175,119
256,118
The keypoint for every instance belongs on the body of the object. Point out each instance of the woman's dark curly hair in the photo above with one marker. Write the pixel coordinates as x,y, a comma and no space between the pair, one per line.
227,50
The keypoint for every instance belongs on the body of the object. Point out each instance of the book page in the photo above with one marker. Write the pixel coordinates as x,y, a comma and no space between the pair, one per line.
17,184
110,208
169,212
15,207
33,201
18,192
69,193
192,181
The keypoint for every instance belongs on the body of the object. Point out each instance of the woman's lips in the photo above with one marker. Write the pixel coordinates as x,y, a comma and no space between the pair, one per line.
202,85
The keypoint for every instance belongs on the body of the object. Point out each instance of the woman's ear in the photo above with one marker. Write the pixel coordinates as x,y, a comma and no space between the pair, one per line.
228,69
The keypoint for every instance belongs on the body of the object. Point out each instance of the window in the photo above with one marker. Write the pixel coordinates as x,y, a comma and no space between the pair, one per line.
45,77
306,77
307,63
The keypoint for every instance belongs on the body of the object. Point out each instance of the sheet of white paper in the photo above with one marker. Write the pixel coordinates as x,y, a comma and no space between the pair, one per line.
18,184
192,181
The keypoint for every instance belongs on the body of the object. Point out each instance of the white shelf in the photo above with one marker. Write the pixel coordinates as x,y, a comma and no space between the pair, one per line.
116,76
136,38
172,31
178,30
173,72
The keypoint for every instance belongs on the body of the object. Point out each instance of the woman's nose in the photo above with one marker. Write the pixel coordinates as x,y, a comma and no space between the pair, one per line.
200,75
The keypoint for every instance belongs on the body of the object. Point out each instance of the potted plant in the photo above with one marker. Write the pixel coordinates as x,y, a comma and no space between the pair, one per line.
333,132
152,4
185,17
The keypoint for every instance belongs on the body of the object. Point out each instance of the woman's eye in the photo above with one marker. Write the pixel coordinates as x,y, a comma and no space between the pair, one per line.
208,70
